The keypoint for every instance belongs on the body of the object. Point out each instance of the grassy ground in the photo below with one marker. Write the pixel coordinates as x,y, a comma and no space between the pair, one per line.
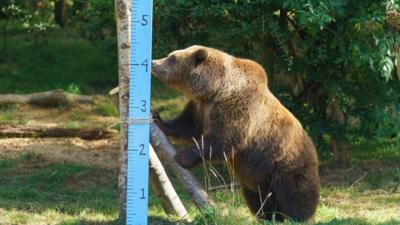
40,188
72,181
60,60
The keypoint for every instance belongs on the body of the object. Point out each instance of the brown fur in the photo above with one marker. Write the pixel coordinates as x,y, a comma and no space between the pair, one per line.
271,155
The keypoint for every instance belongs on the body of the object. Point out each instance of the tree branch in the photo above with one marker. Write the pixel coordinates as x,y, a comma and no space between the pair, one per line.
167,152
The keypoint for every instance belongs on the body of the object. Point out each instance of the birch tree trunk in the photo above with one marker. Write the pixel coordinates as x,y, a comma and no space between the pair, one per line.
122,15
162,187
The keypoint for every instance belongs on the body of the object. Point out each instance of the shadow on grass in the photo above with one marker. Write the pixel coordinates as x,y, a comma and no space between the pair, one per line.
35,185
87,222
152,220
358,222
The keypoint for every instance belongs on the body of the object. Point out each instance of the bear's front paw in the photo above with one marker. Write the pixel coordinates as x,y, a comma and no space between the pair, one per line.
157,119
187,158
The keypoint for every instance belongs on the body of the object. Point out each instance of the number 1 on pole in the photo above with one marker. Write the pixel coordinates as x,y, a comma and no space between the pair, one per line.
139,111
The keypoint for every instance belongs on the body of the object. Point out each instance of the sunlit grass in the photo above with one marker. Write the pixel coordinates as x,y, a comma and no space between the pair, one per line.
34,191
106,108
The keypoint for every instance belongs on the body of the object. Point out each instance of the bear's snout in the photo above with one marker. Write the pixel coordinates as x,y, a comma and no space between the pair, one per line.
155,67
158,69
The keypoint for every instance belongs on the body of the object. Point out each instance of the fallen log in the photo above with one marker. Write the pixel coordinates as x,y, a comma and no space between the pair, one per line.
18,131
48,98
166,152
162,187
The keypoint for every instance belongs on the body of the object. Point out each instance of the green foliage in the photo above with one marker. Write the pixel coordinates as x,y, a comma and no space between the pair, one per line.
35,16
97,24
339,49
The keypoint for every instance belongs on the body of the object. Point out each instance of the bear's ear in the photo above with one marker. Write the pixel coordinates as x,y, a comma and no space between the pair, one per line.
199,56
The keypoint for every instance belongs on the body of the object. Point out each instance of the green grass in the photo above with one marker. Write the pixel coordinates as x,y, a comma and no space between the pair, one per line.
62,60
389,150
34,190
106,108
37,191
7,115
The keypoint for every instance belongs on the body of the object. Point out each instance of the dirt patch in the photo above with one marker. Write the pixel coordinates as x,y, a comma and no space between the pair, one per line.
102,153
349,175
340,176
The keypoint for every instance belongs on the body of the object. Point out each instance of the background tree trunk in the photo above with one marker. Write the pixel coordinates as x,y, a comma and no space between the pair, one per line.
60,12
122,14
339,147
5,36
398,63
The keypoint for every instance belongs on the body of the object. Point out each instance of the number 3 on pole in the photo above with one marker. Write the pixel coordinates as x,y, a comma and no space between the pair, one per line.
139,110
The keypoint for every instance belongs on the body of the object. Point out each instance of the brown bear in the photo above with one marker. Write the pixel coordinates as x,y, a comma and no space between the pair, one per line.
239,119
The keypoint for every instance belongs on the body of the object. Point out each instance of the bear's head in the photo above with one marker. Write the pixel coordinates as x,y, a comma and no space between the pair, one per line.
197,71
206,73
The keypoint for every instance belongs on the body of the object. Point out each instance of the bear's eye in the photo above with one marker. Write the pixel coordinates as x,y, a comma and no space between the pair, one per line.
172,59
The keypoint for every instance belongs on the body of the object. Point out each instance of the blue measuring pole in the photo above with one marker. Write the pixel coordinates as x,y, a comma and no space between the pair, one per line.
139,112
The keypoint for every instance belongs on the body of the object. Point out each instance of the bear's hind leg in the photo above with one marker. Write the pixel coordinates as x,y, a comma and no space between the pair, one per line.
264,208
297,197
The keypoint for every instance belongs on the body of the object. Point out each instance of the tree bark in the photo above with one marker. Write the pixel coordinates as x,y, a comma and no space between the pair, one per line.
122,14
334,148
162,187
398,63
60,12
5,36
48,98
339,147
167,152
18,131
